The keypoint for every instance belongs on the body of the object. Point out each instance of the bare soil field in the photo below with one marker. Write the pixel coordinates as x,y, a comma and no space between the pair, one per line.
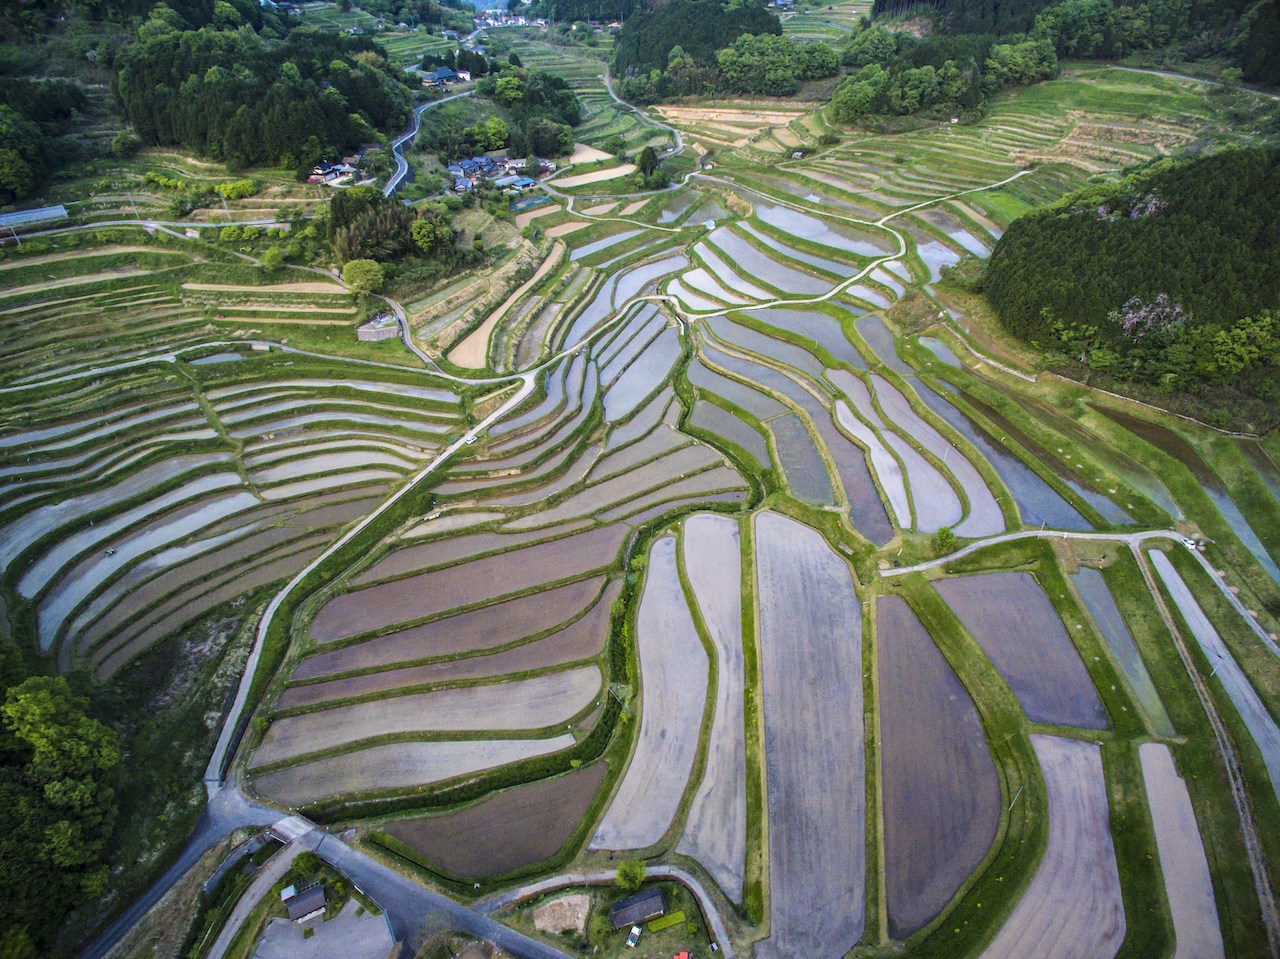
524,219
673,683
586,154
810,633
596,176
1072,908
523,704
1015,624
581,640
939,786
569,226
1187,883
303,287
483,628
514,829
378,607
397,766
716,831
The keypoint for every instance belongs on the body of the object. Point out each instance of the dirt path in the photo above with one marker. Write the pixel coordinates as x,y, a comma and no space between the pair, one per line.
596,176
302,287
472,353
1231,763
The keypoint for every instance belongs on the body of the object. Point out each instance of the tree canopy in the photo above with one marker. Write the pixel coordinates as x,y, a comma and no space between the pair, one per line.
1169,277
699,27
232,97
57,808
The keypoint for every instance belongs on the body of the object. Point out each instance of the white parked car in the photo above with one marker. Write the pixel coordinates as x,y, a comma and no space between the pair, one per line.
634,937
1189,543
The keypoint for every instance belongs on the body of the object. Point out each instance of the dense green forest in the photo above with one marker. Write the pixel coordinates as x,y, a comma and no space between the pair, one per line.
36,134
525,111
899,74
1247,31
58,776
571,10
700,28
231,96
1168,278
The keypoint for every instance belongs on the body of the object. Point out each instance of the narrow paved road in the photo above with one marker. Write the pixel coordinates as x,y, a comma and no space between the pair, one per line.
501,900
226,811
402,165
1133,540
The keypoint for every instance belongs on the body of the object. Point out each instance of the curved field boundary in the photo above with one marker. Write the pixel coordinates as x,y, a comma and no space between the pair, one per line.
1073,906
810,636
716,831
1187,883
1013,620
473,352
939,786
673,682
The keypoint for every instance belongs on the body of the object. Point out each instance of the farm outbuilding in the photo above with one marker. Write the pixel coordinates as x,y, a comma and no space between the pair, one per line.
306,903
641,907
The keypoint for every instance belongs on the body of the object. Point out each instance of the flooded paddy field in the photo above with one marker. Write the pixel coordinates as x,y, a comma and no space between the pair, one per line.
589,632
810,637
716,831
939,785
511,830
1015,623
673,686
1073,906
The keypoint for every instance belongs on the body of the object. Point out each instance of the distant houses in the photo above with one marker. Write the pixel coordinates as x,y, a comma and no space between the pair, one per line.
506,174
343,173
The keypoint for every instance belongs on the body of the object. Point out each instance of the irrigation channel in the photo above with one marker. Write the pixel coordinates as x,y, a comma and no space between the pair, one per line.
407,902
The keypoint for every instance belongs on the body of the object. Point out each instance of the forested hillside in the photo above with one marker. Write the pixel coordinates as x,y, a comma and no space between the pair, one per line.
698,27
1248,32
1169,278
232,97
570,10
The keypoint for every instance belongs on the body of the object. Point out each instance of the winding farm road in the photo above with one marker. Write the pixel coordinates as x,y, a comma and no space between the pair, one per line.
1132,540
493,903
402,165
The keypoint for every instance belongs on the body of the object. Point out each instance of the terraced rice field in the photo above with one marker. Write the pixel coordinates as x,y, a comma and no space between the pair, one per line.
940,788
1073,905
1012,619
673,687
624,614
1182,859
509,831
716,832
810,637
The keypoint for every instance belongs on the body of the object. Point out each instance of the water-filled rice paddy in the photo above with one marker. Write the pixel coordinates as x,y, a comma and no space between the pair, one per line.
810,635
1073,905
416,597
939,786
1187,883
508,831
716,831
1102,607
673,688
1016,625
547,700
